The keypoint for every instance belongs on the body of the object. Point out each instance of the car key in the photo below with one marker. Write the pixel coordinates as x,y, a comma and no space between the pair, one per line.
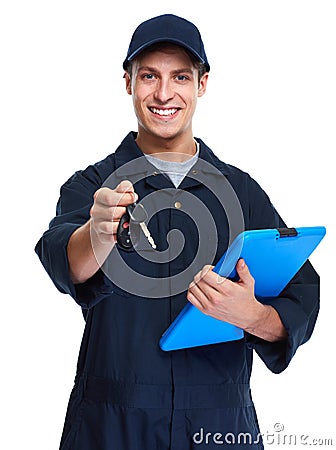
136,213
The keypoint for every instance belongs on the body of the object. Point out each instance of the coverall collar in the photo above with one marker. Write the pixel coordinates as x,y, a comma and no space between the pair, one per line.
129,151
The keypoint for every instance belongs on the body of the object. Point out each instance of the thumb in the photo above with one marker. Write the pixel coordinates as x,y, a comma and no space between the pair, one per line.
124,186
243,272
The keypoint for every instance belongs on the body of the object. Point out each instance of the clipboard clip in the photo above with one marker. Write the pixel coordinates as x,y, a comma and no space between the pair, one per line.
287,232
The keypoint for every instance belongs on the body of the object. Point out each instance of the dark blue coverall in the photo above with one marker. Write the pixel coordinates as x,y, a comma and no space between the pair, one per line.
128,393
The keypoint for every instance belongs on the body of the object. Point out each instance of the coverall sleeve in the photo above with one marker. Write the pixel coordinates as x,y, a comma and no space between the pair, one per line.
297,305
73,211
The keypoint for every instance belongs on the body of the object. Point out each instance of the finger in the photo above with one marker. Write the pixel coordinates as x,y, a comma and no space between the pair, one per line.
205,298
195,301
206,293
106,196
206,269
107,238
214,280
202,273
101,212
106,227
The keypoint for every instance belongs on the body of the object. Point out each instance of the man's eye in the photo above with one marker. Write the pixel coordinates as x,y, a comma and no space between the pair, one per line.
148,76
181,77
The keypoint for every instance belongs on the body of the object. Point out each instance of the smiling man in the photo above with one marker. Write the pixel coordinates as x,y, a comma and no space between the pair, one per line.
165,84
128,393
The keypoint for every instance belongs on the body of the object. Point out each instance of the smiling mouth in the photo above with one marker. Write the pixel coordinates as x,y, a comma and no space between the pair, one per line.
164,112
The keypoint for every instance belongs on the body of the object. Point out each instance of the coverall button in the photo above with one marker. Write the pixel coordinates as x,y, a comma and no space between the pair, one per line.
178,205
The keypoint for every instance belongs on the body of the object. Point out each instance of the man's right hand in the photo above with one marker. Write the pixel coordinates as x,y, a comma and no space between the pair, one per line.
90,244
108,208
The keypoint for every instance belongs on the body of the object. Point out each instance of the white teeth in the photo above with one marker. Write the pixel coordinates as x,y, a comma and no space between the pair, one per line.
164,112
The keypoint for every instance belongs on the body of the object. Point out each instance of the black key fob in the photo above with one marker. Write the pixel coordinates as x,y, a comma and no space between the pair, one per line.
135,214
123,232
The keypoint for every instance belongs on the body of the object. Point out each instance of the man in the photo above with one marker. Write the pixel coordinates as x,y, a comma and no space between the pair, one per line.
128,393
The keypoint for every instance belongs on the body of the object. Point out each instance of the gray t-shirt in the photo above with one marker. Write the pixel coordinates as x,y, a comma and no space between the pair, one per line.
175,170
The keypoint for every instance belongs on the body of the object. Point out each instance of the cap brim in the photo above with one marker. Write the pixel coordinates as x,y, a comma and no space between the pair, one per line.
170,40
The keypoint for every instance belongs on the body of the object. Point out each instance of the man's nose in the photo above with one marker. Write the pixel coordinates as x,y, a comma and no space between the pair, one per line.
164,91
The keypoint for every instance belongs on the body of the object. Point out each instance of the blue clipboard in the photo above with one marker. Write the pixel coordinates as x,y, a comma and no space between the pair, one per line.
273,257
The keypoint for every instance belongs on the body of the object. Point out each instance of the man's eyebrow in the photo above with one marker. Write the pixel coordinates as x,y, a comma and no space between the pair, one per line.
147,69
184,70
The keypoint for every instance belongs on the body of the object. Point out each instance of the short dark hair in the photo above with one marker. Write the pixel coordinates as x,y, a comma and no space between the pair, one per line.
201,67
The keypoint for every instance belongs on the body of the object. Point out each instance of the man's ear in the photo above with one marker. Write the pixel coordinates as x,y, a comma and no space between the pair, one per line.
203,84
128,83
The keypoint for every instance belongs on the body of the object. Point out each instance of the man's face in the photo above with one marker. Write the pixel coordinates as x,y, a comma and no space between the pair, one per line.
165,88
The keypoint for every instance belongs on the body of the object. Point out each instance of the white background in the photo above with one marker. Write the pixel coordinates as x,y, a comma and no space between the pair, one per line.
269,109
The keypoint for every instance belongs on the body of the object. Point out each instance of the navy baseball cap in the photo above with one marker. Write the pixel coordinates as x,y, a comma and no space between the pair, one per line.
167,28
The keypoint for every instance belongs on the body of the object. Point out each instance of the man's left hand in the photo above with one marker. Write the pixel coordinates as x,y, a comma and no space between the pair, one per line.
235,302
226,300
